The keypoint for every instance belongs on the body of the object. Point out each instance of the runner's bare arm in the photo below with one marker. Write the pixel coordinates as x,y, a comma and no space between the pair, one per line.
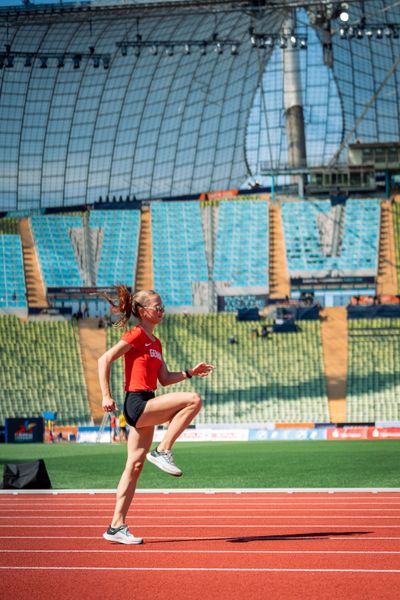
166,377
104,365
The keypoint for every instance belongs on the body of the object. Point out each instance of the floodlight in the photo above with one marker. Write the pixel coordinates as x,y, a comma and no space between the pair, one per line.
344,12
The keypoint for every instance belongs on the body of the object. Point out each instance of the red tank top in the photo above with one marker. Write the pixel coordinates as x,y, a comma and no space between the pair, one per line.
142,362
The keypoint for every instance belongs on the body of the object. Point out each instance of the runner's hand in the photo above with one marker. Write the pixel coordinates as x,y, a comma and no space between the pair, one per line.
202,370
109,404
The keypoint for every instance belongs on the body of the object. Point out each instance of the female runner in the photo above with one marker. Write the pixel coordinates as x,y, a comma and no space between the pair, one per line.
144,366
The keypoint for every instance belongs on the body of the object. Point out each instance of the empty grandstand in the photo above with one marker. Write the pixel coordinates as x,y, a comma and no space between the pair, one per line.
396,219
323,240
241,253
12,282
41,371
57,259
116,256
179,258
258,380
373,392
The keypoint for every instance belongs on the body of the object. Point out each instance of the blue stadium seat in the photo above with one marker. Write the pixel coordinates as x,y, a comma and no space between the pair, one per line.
12,279
119,249
308,224
179,257
241,256
56,255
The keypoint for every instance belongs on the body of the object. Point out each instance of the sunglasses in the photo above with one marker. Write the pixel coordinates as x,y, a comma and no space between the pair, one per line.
159,308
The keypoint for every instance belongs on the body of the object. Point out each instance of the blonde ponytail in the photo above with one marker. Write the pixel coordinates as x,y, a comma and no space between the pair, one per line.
128,304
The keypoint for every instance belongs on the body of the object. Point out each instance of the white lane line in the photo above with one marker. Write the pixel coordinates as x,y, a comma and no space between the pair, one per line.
277,537
17,503
214,526
140,501
59,498
196,569
220,492
180,517
179,551
211,509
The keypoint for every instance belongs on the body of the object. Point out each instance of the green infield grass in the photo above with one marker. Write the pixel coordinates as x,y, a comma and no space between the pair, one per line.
373,463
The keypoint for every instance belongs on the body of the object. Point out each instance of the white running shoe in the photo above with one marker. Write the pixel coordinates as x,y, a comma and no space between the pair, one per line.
121,535
165,462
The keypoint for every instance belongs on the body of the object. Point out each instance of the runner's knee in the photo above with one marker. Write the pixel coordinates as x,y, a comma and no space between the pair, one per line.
195,401
135,467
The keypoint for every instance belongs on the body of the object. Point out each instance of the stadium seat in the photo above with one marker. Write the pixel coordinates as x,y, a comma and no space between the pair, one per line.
241,255
373,384
309,237
117,258
178,251
52,375
256,380
12,278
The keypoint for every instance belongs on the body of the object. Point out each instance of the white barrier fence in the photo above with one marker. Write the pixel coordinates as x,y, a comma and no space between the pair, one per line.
268,433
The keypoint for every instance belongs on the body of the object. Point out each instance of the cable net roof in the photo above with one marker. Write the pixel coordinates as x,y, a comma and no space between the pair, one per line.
163,124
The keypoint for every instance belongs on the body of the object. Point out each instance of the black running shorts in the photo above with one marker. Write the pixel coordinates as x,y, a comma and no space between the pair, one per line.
134,405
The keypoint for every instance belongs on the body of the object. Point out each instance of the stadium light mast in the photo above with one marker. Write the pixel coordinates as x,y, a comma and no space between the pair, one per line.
293,105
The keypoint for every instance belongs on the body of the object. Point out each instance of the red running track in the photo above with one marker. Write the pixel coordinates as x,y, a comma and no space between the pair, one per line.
202,545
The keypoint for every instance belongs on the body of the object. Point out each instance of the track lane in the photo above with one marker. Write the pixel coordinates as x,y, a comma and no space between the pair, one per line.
311,541
34,585
134,557
307,546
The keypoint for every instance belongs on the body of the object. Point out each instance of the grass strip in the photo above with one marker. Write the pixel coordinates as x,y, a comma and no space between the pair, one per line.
294,464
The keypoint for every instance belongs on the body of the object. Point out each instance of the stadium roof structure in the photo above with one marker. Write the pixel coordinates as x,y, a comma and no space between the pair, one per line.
160,99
